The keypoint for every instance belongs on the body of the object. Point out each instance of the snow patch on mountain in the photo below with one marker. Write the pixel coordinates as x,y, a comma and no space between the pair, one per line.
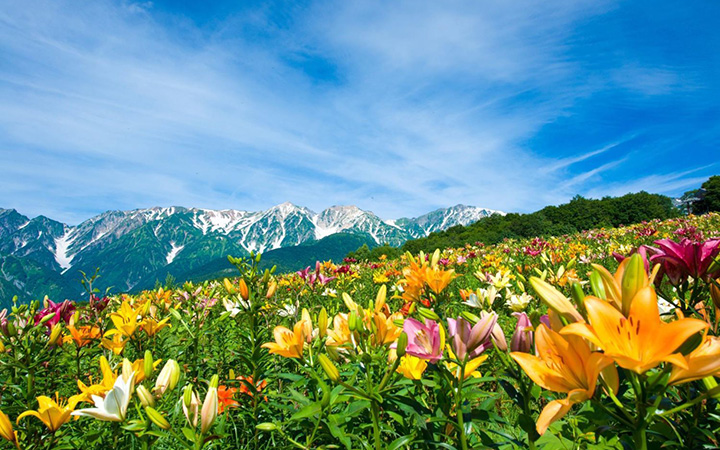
62,245
174,250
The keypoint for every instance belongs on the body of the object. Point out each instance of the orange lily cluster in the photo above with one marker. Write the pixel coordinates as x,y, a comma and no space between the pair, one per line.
625,326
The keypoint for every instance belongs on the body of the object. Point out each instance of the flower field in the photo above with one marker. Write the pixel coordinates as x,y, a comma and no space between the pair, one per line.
603,339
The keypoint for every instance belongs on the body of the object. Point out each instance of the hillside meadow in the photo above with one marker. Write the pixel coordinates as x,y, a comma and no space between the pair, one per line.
600,339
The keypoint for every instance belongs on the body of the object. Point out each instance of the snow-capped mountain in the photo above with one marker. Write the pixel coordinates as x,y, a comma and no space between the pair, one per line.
131,248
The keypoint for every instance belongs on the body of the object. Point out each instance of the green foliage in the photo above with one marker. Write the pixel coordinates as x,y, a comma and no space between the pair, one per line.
577,215
711,197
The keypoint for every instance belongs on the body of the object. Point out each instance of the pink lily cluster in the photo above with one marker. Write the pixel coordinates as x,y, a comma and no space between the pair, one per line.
312,277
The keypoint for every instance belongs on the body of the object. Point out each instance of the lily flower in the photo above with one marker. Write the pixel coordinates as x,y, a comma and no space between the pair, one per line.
108,380
469,342
701,362
62,311
686,258
289,344
6,429
53,413
113,407
151,326
562,364
411,367
425,340
340,334
438,279
125,320
639,341
82,335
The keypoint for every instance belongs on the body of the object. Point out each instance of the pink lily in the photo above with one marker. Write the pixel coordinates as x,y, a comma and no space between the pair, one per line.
425,340
471,342
686,258
523,336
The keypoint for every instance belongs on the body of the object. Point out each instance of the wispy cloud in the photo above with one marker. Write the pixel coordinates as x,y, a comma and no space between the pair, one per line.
399,108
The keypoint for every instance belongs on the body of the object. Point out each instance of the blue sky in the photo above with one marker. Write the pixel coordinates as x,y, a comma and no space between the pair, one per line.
397,107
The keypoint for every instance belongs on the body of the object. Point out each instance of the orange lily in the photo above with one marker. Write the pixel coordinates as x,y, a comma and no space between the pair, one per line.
83,335
639,341
438,279
701,362
225,398
53,413
289,344
562,364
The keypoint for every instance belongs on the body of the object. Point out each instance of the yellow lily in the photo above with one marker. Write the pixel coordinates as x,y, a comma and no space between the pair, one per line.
639,341
470,366
411,367
384,329
151,326
340,333
125,320
116,343
6,429
562,364
289,344
53,413
138,367
701,362
107,382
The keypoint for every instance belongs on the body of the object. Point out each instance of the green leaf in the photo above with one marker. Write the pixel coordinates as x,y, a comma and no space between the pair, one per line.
308,411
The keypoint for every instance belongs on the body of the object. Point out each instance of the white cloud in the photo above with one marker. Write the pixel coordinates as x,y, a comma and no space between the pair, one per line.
425,105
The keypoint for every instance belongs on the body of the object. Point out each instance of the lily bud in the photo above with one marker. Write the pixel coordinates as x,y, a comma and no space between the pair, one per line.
145,396
333,353
435,257
349,303
191,406
127,369
244,291
715,292
353,321
55,334
6,429
322,323
428,313
214,381
209,410
148,364
231,374
402,343
47,318
157,418
634,279
168,377
330,370
523,335
229,287
380,298
555,300
496,335
271,289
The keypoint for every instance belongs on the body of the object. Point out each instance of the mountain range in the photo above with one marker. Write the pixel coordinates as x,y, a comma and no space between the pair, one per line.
134,249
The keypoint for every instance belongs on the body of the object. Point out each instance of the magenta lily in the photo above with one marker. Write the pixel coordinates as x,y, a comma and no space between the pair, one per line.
425,340
312,277
523,336
471,342
686,258
64,311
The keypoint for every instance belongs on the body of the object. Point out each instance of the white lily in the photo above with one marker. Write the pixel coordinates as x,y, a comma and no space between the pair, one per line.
114,406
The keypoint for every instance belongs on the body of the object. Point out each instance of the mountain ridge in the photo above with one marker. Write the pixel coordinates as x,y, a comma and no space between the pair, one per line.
127,246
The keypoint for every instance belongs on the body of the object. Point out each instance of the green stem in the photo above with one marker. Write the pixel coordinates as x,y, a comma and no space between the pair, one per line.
458,408
640,439
711,392
375,409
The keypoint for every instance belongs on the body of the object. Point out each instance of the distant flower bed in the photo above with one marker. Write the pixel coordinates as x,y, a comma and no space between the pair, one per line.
602,339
